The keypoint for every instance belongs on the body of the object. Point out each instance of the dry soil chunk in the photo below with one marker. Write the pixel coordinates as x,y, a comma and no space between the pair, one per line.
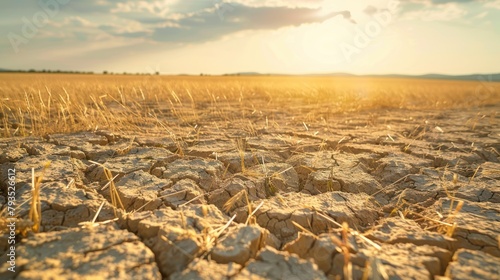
77,139
203,172
102,252
181,192
269,142
480,191
281,176
62,206
155,141
397,261
207,270
333,171
242,243
355,180
178,236
232,186
12,154
92,145
396,230
141,190
277,213
320,249
232,159
206,148
136,159
273,264
314,161
468,264
320,182
60,168
395,166
42,148
478,224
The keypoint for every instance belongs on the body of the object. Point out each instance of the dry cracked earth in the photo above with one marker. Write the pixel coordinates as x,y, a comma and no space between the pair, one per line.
419,191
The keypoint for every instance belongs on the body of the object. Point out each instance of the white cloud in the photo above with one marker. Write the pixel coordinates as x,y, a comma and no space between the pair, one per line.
160,8
71,22
481,15
493,4
277,3
444,12
79,21
126,26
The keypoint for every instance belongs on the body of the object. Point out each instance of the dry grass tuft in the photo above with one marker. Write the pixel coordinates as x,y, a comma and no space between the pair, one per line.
93,223
113,192
241,147
35,213
343,243
235,199
33,222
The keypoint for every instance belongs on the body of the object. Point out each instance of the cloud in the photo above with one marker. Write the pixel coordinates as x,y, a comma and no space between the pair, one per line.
481,15
79,21
370,10
452,1
194,21
90,6
179,21
156,8
439,2
493,4
208,25
312,4
126,29
441,12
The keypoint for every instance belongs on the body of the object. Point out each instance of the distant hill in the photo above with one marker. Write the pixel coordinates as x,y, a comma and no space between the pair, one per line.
471,77
337,74
474,77
250,74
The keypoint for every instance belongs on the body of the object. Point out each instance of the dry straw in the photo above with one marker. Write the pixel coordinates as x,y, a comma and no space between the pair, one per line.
113,192
34,219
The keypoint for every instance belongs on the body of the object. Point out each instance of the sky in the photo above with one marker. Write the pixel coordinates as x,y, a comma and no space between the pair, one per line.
275,36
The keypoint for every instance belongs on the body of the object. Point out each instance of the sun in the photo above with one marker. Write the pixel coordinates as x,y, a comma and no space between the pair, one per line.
311,47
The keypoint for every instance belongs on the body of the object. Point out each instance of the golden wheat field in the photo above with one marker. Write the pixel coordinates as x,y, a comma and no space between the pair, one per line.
248,177
36,104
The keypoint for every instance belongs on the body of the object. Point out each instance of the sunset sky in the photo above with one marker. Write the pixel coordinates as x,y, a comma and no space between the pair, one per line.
276,36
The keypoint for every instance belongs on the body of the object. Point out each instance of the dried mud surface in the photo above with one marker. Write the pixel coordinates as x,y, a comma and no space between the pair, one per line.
419,191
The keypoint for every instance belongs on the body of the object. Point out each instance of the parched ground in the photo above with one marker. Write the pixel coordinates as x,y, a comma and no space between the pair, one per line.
419,192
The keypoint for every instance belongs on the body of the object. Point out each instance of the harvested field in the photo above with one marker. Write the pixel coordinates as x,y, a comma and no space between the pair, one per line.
121,177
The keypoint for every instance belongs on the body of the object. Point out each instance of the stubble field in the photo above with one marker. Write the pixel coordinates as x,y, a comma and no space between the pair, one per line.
151,177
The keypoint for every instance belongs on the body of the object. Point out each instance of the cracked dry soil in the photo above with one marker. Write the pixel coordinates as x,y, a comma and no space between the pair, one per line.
419,191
